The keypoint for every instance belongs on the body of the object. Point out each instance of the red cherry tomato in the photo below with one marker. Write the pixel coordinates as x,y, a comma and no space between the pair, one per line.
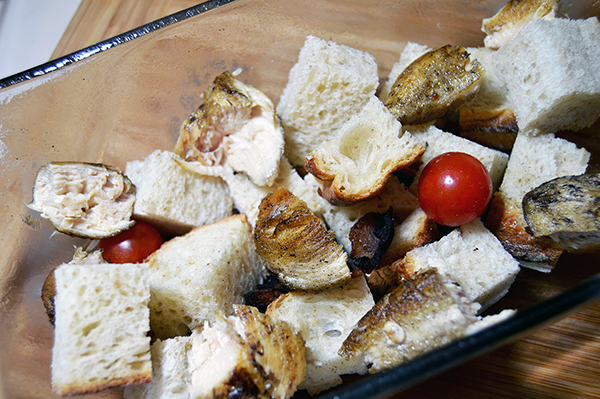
133,245
454,189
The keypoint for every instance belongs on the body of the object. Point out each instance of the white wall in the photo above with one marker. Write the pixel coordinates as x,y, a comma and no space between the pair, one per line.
30,31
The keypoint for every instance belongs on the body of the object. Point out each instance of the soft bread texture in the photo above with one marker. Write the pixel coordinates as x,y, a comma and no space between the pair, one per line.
194,276
411,52
102,321
247,195
328,84
170,374
439,142
534,160
324,320
355,164
340,219
550,72
175,198
472,257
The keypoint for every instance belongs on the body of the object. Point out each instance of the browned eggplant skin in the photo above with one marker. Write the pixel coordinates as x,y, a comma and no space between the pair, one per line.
296,246
567,209
434,85
407,307
197,137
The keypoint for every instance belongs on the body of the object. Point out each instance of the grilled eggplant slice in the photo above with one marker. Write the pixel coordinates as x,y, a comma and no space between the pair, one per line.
567,209
234,127
513,17
88,200
434,85
295,245
421,314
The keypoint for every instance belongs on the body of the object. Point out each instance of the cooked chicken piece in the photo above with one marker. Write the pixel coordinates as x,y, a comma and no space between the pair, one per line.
371,236
295,245
421,314
235,127
566,209
494,128
248,355
434,85
513,17
87,200
355,165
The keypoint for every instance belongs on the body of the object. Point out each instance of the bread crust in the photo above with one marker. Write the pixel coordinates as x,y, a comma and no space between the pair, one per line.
507,224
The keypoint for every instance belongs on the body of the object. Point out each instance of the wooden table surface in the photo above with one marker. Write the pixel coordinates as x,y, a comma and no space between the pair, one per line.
562,360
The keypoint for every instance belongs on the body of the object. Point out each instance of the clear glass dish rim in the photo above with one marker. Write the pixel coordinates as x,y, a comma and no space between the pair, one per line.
79,55
392,381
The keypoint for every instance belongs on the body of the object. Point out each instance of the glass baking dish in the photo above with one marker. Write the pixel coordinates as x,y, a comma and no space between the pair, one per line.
123,98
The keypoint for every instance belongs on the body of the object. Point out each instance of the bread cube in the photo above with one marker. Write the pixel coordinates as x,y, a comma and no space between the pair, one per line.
101,326
472,257
551,72
324,320
197,275
174,198
329,83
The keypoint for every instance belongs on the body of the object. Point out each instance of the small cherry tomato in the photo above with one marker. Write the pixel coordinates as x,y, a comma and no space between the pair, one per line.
133,245
454,189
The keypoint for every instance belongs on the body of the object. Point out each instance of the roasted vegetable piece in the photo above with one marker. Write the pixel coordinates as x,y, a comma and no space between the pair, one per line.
87,200
267,292
234,126
371,236
247,355
296,246
434,85
567,209
421,314
513,17
494,128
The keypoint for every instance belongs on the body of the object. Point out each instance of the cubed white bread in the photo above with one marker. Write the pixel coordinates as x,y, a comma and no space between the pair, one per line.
535,159
439,142
247,195
170,374
101,326
411,52
324,320
197,275
492,93
340,219
551,72
328,84
472,257
174,198
356,163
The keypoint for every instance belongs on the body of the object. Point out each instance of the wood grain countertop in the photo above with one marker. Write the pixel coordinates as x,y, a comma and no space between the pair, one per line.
562,360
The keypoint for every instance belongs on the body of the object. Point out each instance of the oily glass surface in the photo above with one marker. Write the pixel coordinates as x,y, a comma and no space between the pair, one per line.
123,103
